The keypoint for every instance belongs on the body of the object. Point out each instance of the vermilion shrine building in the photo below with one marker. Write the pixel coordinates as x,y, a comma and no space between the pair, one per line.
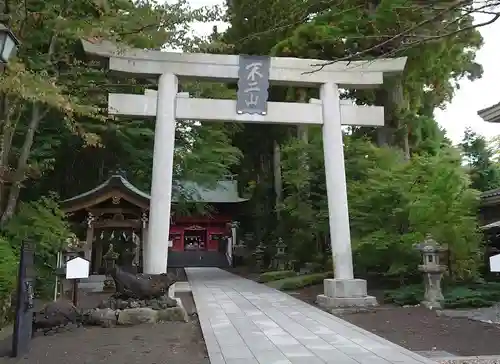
116,212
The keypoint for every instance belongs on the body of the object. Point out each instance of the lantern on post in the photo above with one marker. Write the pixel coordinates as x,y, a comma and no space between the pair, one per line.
8,44
432,270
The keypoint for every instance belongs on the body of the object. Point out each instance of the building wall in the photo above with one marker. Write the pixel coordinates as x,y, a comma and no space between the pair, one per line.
214,228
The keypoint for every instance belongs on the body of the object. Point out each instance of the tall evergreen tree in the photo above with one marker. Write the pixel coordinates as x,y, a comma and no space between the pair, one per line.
478,156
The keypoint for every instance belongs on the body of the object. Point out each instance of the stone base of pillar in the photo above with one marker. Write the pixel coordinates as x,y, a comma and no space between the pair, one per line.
344,293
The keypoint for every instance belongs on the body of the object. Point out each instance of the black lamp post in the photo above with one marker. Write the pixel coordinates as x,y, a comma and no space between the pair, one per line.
8,44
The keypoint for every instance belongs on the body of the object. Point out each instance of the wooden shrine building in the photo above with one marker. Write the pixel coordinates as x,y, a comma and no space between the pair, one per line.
116,212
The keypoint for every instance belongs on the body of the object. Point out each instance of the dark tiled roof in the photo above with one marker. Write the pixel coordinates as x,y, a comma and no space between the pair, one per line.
223,192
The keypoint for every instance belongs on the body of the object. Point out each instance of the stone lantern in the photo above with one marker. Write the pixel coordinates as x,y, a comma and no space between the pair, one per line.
259,255
110,259
280,255
432,271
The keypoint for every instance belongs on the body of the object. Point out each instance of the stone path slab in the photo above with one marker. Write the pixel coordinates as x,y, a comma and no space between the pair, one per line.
244,322
435,354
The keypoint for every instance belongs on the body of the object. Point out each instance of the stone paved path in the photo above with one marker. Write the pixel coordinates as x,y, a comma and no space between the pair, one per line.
244,322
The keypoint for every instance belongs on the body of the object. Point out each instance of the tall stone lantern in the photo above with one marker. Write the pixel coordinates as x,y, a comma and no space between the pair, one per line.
110,259
432,271
280,256
259,252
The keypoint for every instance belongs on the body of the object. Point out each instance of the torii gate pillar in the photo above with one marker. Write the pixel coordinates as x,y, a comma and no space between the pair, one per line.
156,258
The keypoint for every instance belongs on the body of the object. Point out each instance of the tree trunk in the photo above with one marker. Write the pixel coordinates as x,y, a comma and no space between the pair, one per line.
303,136
302,129
397,101
22,165
278,180
22,162
394,132
4,148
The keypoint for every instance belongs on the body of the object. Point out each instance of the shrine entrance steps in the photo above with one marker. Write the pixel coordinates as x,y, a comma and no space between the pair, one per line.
244,322
197,259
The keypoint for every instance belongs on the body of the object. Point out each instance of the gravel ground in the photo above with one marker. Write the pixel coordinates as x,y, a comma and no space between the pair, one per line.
165,343
419,329
472,360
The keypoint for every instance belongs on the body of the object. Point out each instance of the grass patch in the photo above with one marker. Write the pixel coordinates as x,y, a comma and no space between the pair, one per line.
275,275
455,296
297,282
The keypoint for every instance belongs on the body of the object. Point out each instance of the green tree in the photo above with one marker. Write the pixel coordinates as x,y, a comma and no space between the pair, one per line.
54,116
357,30
353,30
478,157
394,204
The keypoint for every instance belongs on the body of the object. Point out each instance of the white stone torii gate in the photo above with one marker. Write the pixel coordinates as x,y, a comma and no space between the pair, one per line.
168,105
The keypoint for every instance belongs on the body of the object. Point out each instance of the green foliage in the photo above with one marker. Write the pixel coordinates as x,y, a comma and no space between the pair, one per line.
293,283
8,274
455,296
484,295
304,208
42,223
50,89
407,295
8,268
393,204
484,173
276,275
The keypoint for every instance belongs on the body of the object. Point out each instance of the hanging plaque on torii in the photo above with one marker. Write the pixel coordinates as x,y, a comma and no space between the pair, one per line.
253,82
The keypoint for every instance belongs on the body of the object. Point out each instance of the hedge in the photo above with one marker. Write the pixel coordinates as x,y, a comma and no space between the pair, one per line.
293,283
276,275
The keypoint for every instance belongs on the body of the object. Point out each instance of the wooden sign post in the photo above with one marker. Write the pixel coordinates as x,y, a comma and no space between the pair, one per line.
76,269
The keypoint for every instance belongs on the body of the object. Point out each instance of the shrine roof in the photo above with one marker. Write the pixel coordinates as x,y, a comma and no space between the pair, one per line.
225,191
490,114
491,197
105,191
222,192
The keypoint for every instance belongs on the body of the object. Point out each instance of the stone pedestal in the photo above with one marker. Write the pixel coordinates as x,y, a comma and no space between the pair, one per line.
433,297
343,293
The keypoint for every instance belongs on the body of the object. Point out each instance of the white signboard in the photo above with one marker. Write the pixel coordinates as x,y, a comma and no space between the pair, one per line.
77,268
170,243
495,263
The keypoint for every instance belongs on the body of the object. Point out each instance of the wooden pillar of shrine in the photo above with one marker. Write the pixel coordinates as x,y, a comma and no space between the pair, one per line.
89,236
144,241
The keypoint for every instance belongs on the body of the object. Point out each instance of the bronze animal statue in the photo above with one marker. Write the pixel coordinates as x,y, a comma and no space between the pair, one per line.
141,286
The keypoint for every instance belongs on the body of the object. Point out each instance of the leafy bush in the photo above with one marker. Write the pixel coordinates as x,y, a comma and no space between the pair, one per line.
463,296
292,283
43,223
275,275
479,295
8,275
409,295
